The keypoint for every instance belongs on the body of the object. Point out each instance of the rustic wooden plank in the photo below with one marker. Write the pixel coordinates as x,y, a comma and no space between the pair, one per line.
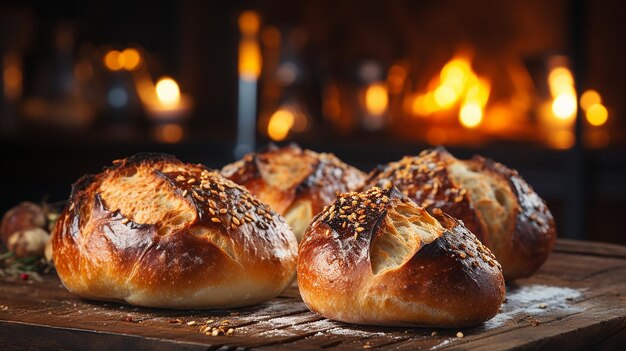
583,287
588,248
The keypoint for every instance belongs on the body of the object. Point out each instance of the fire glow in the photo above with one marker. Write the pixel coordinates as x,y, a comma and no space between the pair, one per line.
457,85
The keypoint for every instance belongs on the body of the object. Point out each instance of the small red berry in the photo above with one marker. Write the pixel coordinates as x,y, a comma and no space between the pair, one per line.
24,276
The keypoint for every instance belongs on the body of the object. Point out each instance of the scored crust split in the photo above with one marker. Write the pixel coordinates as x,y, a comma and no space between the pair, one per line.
377,258
154,231
294,182
493,201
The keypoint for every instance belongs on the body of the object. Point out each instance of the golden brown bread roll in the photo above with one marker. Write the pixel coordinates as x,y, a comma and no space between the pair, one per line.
493,201
153,231
377,258
294,182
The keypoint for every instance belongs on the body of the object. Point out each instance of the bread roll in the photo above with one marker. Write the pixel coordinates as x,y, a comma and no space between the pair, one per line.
26,215
377,258
493,201
153,231
294,182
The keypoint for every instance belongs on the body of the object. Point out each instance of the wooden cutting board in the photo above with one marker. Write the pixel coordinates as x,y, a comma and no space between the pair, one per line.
576,301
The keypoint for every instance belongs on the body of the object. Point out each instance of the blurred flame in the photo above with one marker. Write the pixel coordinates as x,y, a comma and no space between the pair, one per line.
595,112
588,98
564,106
457,83
114,60
250,60
471,115
128,59
132,59
376,99
561,83
279,124
597,115
445,96
167,91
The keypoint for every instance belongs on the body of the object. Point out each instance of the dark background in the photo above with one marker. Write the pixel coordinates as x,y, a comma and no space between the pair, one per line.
196,42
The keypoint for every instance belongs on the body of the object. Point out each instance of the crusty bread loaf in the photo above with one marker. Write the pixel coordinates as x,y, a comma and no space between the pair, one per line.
153,231
377,258
493,201
294,182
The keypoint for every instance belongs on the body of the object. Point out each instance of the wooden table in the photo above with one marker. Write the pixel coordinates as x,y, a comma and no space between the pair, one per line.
576,301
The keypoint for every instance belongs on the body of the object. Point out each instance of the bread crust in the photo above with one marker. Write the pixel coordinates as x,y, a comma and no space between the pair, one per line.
448,278
533,233
521,236
203,241
296,183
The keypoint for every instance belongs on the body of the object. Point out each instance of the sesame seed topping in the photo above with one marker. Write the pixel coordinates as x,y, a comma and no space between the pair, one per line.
215,220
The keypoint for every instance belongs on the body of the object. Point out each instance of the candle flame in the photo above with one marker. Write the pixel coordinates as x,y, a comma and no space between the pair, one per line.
250,61
167,91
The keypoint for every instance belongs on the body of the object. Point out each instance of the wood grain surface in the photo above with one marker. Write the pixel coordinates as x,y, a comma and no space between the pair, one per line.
576,301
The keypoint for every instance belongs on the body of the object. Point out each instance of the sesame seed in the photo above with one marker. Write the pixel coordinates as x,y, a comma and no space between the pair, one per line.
184,192
191,323
124,221
459,335
215,220
191,181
